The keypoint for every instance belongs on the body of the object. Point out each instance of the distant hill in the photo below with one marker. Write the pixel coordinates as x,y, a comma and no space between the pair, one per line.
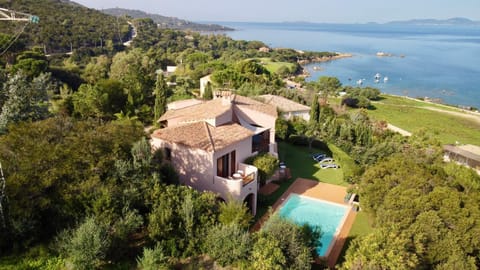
64,25
451,21
166,22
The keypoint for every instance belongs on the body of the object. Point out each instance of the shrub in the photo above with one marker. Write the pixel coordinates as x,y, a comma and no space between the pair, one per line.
290,246
350,102
235,212
86,246
281,128
266,164
153,259
227,244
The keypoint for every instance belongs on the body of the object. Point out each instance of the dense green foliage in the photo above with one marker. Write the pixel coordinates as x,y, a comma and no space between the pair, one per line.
64,26
24,99
55,170
425,213
360,97
85,190
228,244
283,245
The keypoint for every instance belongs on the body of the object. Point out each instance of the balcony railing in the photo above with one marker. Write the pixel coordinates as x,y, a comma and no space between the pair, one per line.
242,179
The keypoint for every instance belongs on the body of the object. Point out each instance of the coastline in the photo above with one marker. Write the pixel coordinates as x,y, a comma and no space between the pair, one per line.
325,58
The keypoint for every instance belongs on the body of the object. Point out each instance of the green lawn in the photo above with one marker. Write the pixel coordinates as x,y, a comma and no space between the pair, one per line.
274,66
413,115
301,164
447,128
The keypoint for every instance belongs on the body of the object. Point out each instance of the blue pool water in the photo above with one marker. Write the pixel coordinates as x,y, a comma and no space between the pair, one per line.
315,212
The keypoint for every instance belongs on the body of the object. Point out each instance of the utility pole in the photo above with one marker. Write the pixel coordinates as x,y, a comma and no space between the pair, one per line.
10,15
2,197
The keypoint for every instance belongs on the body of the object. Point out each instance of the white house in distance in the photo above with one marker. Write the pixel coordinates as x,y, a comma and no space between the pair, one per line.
203,83
171,70
207,144
287,107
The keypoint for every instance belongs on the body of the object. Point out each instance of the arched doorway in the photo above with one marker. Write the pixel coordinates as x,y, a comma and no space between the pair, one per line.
219,199
251,203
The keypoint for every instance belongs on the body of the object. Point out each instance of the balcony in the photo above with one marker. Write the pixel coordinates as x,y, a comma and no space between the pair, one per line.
240,183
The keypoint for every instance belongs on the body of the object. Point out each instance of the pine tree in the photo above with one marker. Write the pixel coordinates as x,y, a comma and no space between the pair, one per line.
160,98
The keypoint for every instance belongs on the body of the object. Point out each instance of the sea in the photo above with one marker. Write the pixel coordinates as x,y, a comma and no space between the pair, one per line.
439,62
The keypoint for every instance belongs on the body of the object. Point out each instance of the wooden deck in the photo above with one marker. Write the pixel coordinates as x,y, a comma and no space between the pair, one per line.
324,191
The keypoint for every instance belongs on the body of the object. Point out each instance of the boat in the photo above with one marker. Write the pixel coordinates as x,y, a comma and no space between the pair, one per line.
360,82
377,76
383,54
385,79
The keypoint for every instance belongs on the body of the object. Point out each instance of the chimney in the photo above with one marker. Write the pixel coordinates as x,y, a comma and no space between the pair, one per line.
226,98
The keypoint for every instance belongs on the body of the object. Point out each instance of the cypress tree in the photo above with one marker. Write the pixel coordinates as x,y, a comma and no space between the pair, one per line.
160,98
208,94
315,110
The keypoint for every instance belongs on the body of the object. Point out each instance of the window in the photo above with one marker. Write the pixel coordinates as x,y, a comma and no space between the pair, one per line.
261,141
226,164
232,162
222,166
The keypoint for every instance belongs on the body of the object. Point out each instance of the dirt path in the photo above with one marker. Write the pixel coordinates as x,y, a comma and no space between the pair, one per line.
468,115
399,130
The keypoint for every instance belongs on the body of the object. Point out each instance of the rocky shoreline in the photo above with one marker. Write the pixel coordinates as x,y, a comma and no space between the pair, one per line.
325,58
305,73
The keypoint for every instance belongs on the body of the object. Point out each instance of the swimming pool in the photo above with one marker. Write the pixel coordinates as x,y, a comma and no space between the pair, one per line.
327,215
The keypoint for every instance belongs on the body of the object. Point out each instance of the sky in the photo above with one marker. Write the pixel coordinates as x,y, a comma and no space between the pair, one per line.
332,11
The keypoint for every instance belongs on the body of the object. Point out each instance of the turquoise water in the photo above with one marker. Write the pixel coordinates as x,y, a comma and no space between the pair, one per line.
315,212
439,61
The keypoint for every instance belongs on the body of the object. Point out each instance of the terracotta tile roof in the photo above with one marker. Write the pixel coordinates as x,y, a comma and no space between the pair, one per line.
180,104
206,110
284,104
245,102
201,135
213,108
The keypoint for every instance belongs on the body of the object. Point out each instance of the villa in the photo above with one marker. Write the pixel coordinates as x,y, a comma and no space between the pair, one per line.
287,107
208,142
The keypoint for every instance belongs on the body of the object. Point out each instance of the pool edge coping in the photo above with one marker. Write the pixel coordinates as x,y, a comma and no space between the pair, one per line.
341,223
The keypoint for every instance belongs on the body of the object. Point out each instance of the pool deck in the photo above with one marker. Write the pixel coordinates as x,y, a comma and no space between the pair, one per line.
324,191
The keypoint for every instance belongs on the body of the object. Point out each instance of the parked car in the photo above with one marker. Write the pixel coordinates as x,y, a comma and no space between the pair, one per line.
318,156
329,166
327,159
